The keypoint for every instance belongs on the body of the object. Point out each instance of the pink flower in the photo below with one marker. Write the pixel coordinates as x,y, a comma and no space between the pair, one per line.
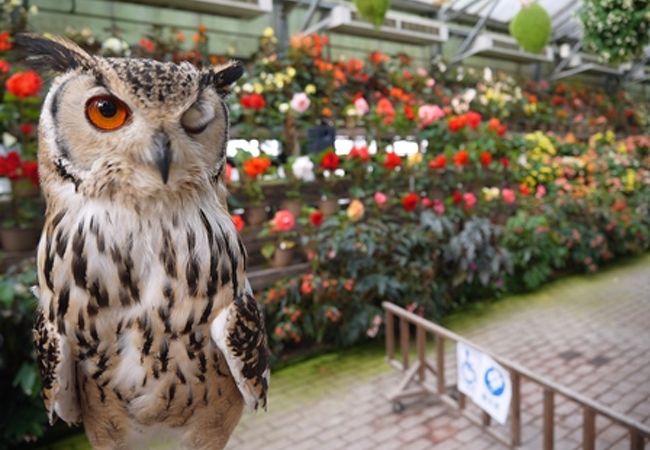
283,221
421,71
300,102
438,207
541,191
430,82
469,199
508,195
429,114
361,106
380,198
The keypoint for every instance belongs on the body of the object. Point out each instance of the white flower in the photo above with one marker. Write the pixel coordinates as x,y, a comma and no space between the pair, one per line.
283,108
8,140
303,169
115,46
300,102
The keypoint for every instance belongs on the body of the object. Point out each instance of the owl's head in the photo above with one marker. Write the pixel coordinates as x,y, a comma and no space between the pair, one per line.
129,129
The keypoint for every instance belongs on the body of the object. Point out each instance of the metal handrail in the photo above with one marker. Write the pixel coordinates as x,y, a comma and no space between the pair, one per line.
591,408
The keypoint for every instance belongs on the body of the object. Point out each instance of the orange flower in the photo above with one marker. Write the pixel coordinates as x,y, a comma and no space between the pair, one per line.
326,112
202,28
257,166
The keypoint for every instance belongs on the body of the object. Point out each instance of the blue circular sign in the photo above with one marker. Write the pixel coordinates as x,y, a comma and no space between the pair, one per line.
494,381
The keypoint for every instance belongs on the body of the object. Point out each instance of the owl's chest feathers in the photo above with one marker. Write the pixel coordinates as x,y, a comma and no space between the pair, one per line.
135,294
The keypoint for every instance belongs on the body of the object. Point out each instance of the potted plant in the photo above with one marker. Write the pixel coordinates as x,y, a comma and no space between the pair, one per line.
254,168
21,227
329,163
282,229
299,170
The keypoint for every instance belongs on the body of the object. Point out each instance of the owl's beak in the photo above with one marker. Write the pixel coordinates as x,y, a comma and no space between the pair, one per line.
162,154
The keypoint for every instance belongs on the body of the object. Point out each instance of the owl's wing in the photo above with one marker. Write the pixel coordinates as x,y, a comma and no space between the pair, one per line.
238,331
57,369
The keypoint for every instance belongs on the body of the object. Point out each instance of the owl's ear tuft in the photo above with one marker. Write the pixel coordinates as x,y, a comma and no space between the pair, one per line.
221,78
50,52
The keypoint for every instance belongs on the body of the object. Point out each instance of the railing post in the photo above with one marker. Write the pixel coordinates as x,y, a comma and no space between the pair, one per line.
440,363
404,341
390,336
549,416
461,400
421,342
588,428
515,409
486,420
636,440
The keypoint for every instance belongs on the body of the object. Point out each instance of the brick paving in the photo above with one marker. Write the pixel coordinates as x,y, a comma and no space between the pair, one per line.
591,334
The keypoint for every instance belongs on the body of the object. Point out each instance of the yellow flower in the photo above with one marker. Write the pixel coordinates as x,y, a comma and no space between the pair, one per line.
490,194
610,136
355,210
279,84
291,72
414,159
310,89
630,179
268,32
621,147
258,88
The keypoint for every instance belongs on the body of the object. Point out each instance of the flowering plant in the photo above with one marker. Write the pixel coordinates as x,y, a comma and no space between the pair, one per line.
618,30
26,206
282,228
254,168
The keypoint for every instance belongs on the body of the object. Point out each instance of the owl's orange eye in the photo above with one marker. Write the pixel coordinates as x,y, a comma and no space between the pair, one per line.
107,112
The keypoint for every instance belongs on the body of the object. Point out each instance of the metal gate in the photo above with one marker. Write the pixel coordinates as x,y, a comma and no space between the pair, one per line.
416,374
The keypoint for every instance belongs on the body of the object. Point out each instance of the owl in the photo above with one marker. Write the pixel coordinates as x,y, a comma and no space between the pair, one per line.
147,331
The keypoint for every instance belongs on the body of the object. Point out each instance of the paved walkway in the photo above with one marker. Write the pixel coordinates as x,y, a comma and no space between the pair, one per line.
589,333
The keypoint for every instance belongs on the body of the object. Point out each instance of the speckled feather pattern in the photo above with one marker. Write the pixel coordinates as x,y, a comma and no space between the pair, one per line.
133,273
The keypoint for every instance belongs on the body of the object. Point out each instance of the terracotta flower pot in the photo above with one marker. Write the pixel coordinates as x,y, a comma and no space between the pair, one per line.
293,205
18,239
282,257
256,215
329,206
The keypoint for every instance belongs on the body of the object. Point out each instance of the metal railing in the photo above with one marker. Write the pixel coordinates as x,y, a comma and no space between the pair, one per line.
416,372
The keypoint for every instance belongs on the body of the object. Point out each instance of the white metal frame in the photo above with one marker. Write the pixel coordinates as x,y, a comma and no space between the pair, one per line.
236,8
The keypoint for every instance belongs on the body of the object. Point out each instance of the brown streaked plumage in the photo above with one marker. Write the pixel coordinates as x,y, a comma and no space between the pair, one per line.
147,330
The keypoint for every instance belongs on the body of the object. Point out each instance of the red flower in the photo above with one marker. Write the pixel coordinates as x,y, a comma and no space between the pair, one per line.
9,166
26,128
283,220
30,171
408,112
238,221
307,285
330,161
252,101
316,218
392,161
147,45
4,66
456,123
505,162
439,162
461,158
456,197
473,119
524,189
5,41
24,84
360,153
254,167
410,201
485,158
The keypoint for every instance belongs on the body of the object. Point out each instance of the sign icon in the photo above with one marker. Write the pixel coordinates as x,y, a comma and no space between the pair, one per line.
485,381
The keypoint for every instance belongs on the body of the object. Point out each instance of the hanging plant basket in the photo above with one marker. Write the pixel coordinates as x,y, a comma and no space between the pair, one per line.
373,11
531,27
616,30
